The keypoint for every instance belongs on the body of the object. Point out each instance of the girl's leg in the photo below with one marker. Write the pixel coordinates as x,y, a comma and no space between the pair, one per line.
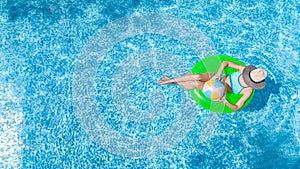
189,85
188,77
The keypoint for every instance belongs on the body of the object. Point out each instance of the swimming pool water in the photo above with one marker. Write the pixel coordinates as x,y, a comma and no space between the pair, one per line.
79,89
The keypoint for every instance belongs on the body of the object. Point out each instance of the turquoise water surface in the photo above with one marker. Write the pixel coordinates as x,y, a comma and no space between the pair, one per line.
79,88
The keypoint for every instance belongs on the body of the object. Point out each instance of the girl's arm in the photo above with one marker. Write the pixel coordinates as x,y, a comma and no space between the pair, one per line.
247,92
224,65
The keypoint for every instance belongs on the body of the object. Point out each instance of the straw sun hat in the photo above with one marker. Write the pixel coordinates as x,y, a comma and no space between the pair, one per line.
254,77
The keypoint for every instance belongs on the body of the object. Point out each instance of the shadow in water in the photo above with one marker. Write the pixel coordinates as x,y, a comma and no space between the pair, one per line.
261,97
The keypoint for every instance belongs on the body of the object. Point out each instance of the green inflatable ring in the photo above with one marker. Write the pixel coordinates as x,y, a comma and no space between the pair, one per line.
212,64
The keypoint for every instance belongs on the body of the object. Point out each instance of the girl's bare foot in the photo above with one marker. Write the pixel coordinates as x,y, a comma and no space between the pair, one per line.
165,77
165,80
161,82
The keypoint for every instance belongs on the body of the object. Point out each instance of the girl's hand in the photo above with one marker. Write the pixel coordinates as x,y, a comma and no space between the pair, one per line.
223,99
216,76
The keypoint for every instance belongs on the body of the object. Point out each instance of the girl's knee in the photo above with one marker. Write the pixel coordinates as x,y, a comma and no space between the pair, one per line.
197,77
199,85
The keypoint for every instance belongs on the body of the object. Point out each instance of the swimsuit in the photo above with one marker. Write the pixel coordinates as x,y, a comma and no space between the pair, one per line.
235,83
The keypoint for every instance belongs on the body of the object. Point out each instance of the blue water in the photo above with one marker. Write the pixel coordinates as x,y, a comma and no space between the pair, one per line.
79,89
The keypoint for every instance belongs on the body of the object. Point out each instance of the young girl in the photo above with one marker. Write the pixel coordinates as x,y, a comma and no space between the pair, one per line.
243,81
